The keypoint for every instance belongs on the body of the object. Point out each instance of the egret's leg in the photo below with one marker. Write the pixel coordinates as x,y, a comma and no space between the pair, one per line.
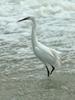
47,71
53,68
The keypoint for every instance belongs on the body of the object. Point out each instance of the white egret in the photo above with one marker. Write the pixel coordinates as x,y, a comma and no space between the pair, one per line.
47,55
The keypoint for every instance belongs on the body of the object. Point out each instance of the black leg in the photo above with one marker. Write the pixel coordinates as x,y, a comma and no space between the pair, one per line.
47,71
53,68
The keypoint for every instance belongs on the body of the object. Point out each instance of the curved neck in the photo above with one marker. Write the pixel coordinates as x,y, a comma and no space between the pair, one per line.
33,35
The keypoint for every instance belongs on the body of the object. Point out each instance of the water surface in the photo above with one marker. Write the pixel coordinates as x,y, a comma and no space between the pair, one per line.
22,75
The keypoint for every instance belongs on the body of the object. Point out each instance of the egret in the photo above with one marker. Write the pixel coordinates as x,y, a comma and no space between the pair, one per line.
48,56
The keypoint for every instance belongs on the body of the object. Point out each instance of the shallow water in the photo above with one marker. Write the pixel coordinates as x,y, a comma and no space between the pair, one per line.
22,75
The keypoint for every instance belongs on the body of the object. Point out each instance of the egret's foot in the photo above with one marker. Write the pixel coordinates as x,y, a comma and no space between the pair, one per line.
47,71
53,68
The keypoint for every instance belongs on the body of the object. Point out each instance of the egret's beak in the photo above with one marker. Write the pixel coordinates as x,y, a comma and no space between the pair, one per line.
23,19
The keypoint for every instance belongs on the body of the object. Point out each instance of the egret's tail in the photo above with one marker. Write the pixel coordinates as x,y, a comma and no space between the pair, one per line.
65,58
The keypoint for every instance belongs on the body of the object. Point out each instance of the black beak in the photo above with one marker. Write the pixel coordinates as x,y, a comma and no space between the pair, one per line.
23,19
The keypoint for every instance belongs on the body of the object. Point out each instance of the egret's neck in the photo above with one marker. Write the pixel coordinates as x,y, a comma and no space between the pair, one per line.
33,35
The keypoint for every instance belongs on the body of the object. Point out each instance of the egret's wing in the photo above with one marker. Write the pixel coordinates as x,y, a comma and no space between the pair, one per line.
57,56
47,55
44,54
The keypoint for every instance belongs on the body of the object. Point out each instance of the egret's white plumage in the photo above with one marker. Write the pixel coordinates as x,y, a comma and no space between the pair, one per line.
47,55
